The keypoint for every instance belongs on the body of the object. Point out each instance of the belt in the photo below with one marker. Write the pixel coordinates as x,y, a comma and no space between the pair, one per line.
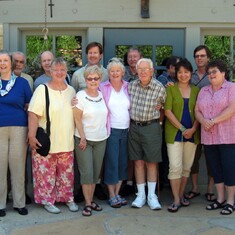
139,123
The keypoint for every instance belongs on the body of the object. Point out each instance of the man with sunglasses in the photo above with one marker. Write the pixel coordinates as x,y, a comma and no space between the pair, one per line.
200,79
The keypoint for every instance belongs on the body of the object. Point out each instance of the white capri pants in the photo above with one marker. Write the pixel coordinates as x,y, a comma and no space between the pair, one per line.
181,156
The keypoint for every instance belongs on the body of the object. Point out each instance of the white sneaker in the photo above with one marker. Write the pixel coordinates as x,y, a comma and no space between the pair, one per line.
52,209
72,206
139,201
153,202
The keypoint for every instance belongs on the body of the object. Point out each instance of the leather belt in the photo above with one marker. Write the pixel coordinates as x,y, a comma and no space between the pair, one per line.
139,123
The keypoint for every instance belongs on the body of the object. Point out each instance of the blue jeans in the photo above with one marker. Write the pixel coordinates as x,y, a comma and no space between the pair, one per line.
116,157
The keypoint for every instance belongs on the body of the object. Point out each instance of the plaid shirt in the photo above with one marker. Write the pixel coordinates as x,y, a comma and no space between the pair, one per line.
145,99
211,105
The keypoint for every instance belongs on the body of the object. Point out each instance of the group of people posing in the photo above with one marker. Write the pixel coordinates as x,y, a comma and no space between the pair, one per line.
117,118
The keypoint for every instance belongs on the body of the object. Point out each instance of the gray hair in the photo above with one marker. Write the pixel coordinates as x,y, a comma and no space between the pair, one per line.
144,60
59,61
93,69
115,62
134,49
18,53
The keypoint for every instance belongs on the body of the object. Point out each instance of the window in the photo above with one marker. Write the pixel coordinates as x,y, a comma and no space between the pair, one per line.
68,47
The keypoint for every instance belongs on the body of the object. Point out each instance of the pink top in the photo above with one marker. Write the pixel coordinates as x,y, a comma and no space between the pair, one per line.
211,105
106,88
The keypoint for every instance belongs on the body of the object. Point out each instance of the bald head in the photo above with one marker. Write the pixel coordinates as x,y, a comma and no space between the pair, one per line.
46,58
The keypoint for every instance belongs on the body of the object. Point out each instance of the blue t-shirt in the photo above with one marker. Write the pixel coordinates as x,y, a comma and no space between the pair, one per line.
12,112
186,122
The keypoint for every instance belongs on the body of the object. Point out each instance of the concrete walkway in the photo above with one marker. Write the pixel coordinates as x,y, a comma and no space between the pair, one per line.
123,221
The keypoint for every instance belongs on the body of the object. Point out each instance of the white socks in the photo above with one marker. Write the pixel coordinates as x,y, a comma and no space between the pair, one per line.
141,189
151,188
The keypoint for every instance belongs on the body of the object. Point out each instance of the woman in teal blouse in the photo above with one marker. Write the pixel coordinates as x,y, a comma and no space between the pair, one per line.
181,131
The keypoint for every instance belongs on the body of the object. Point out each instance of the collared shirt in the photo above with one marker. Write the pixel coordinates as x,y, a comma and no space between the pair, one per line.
129,76
195,80
164,78
78,80
145,99
211,104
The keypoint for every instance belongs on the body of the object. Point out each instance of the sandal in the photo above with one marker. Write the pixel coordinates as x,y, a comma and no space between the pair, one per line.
174,207
121,200
96,207
215,205
210,197
184,202
227,210
113,202
87,211
191,195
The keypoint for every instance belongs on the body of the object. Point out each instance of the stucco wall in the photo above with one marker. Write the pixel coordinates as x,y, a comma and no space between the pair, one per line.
195,11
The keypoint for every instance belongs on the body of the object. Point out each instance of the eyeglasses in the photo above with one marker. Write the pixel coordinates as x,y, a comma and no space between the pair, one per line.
214,71
19,61
93,79
59,70
198,56
143,70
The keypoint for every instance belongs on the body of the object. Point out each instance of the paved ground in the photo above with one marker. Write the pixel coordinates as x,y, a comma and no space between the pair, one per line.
123,221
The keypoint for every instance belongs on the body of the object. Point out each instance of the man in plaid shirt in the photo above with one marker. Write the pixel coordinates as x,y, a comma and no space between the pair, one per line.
145,135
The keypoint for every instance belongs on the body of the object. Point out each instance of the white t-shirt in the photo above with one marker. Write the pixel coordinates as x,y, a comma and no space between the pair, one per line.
119,106
94,117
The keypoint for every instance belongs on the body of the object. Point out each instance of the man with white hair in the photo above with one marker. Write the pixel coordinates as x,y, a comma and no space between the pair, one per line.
19,62
145,135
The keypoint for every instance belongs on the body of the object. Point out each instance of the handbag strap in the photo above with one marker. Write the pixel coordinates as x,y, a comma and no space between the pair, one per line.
48,127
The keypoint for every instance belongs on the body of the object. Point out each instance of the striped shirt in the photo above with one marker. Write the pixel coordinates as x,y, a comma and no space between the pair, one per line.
145,99
211,105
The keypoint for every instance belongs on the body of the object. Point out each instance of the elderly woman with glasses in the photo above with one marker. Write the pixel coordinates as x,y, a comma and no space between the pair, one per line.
53,175
215,110
90,115
115,92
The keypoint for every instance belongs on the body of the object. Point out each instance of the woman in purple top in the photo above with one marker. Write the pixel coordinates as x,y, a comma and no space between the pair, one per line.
115,93
215,110
15,95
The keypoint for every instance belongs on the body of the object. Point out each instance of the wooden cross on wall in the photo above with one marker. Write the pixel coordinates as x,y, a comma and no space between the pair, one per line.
145,8
51,5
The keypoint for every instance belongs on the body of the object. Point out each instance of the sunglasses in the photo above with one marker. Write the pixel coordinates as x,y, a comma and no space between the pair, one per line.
93,79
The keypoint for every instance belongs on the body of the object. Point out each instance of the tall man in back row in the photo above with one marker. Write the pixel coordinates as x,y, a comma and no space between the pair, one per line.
145,135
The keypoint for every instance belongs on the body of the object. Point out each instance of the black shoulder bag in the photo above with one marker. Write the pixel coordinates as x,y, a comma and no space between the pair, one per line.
42,136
